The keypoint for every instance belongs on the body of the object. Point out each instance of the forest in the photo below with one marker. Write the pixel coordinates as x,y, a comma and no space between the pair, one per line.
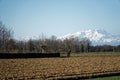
48,45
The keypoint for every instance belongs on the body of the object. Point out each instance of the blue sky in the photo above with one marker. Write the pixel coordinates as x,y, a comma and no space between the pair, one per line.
30,18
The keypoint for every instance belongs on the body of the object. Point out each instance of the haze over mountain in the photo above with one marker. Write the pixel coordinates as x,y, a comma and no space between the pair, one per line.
97,37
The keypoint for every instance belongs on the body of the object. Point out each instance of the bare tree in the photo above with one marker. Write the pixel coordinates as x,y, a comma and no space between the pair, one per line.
68,46
31,45
5,35
20,45
11,45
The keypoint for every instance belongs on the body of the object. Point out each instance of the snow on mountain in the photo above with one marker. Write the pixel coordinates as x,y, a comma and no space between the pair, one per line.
97,37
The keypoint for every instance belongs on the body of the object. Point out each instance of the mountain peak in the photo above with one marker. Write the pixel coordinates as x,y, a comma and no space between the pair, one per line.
97,37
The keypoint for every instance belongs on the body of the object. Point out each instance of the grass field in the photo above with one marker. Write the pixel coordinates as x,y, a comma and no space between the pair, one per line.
107,78
57,68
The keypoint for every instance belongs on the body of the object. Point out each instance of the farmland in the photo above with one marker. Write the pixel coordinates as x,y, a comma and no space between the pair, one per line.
57,68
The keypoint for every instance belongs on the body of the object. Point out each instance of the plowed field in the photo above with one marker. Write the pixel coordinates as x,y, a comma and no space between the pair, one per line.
55,68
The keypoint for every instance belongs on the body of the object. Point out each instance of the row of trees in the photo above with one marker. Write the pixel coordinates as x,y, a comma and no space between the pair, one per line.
44,45
47,45
105,48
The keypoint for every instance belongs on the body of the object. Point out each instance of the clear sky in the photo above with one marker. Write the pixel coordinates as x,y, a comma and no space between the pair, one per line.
30,18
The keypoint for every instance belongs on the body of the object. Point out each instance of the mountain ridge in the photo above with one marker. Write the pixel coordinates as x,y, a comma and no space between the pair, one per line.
97,37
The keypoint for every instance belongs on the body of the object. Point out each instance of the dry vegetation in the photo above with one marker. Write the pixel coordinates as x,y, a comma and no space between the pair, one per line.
49,68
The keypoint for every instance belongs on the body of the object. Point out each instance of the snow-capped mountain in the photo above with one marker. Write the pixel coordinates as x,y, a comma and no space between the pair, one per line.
97,37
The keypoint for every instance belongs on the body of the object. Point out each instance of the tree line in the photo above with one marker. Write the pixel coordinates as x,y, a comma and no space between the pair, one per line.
48,45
